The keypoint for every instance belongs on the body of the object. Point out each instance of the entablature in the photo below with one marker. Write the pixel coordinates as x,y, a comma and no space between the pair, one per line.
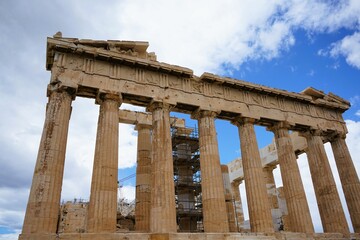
140,81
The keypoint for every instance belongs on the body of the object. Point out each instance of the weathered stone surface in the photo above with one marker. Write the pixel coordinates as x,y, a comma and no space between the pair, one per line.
270,185
256,193
268,155
328,200
143,179
191,236
349,179
103,195
229,199
163,214
239,214
298,209
213,199
85,66
73,217
44,201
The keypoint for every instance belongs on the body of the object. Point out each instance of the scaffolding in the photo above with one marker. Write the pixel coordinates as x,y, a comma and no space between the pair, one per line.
187,178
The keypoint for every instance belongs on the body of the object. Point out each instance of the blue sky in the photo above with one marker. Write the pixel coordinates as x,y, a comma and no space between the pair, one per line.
286,44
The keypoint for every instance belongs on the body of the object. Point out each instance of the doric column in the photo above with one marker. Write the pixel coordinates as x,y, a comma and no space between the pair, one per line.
229,199
258,203
349,178
103,196
143,179
44,201
271,186
239,213
213,199
298,209
328,200
163,210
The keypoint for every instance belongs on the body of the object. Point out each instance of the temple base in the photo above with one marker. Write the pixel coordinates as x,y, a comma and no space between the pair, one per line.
185,236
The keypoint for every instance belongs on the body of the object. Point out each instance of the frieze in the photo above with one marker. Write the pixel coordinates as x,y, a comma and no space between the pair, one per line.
101,68
255,98
164,80
115,71
227,93
60,59
151,77
254,101
217,90
140,75
88,66
196,86
186,84
176,83
207,88
272,102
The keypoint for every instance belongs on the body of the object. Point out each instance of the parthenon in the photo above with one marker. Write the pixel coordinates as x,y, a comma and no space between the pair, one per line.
114,72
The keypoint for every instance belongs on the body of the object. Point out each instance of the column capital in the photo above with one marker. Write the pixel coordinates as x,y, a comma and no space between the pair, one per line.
312,132
237,121
236,182
55,87
270,167
153,105
103,96
140,126
279,125
333,136
203,113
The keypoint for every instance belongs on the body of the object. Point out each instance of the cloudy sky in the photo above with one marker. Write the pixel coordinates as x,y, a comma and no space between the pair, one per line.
287,44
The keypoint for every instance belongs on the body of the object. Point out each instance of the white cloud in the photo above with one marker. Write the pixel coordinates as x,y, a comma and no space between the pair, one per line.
127,192
12,206
349,47
357,113
11,236
245,32
355,100
241,31
127,146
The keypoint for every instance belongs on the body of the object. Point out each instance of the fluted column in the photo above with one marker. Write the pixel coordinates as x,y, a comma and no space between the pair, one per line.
328,200
103,196
256,192
163,210
349,178
229,199
44,201
143,179
213,199
298,209
270,186
239,213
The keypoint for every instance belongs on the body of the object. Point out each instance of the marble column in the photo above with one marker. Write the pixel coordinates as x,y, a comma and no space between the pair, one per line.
143,179
270,185
229,199
163,210
44,201
256,192
298,209
239,213
349,178
102,211
213,199
328,200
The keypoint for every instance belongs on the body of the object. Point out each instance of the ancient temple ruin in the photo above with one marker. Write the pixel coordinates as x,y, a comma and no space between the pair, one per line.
115,72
